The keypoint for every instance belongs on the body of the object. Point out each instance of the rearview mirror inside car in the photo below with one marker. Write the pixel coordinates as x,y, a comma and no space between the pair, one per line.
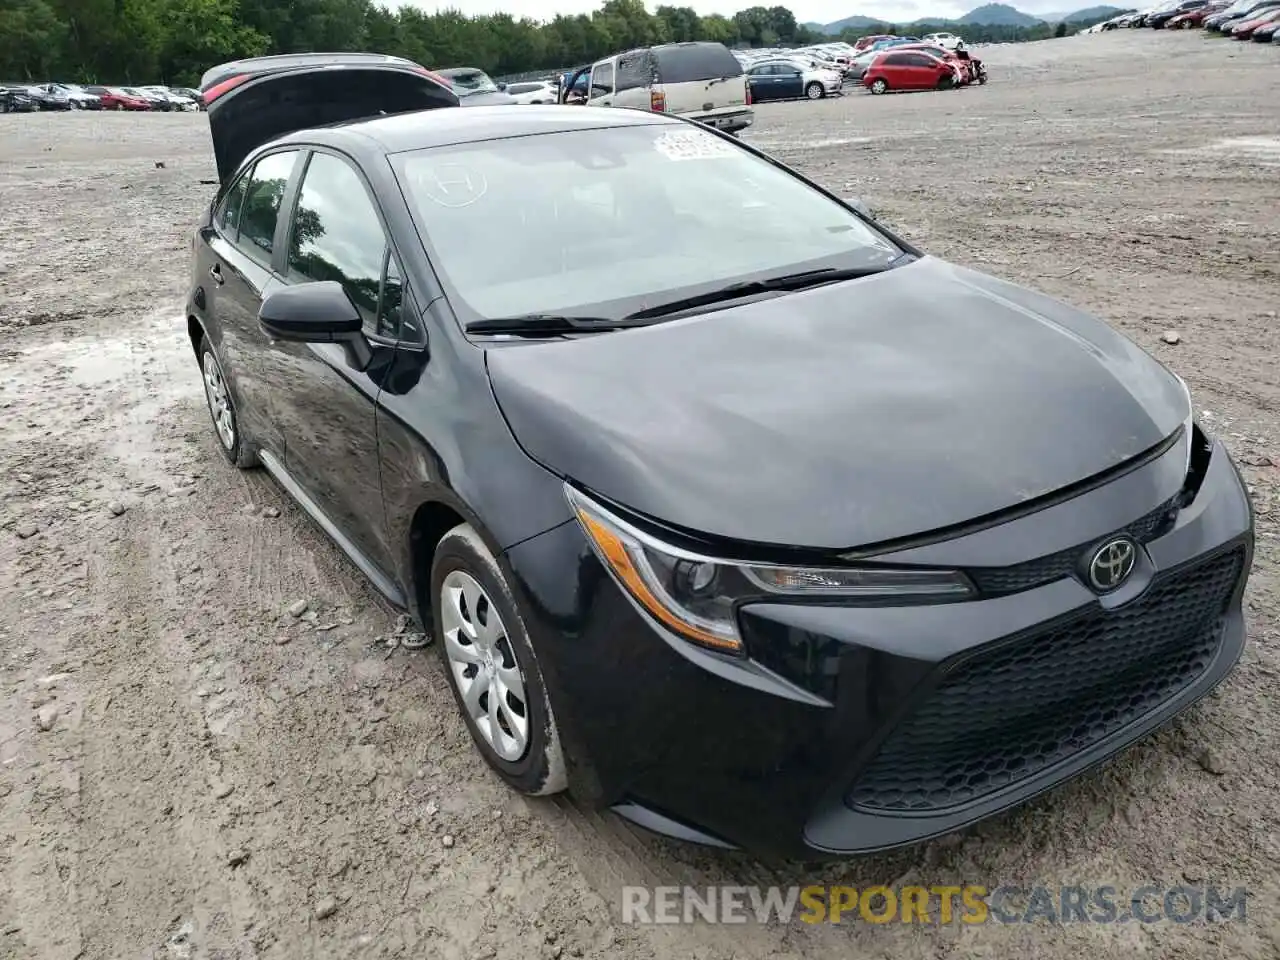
317,312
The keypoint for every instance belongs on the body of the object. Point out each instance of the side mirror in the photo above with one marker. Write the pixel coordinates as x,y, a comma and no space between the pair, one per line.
502,86
318,312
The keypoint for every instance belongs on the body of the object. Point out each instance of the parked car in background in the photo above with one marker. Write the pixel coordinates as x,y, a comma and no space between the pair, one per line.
15,98
865,43
114,98
1160,18
192,95
154,100
176,100
699,80
49,98
1267,32
963,66
78,97
948,41
1235,13
1243,30
532,91
474,87
788,80
908,70
1194,18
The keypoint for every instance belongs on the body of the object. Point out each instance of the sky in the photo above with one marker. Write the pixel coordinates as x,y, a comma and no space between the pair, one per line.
819,11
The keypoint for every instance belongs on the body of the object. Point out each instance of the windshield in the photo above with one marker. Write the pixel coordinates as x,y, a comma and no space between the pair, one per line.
609,221
466,81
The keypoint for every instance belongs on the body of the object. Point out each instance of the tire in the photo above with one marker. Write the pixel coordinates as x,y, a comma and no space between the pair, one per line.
814,91
468,589
879,86
238,450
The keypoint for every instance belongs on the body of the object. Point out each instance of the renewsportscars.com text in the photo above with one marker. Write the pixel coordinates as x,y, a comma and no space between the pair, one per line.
971,904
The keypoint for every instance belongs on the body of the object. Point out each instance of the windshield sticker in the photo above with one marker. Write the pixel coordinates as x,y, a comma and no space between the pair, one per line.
691,145
453,185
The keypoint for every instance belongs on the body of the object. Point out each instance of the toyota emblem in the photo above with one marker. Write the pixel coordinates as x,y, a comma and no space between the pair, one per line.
1112,563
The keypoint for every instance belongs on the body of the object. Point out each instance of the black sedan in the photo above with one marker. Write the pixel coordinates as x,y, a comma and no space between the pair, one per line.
49,99
727,508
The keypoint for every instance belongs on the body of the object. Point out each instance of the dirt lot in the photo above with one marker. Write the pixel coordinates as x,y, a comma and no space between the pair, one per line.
186,770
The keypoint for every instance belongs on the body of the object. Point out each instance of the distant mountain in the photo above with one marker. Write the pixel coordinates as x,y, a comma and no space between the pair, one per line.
1079,16
848,23
1094,13
998,15
991,14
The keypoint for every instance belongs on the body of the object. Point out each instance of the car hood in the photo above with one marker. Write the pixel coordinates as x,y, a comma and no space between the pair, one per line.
843,416
254,101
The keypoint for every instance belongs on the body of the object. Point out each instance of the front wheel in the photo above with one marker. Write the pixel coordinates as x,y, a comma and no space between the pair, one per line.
225,423
879,86
491,665
814,91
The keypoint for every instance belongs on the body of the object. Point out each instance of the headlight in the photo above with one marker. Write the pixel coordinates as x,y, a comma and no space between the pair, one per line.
696,597
1188,426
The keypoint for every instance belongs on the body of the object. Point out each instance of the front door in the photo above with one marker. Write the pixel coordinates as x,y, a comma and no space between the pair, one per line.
326,404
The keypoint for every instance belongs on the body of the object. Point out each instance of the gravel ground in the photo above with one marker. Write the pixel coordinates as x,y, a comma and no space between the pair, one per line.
189,770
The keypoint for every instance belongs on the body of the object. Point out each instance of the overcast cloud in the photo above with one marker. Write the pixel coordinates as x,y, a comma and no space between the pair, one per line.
819,11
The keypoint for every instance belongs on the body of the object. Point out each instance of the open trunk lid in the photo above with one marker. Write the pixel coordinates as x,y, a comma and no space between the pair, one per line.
253,101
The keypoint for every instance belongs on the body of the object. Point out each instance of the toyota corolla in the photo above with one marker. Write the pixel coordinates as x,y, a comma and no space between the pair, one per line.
727,508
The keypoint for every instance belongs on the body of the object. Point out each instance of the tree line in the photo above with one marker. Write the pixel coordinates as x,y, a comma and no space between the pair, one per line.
175,41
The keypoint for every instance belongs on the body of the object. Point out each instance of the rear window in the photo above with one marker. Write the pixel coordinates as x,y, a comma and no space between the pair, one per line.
690,62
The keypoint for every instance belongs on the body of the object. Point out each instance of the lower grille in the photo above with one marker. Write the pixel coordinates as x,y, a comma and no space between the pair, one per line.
1005,715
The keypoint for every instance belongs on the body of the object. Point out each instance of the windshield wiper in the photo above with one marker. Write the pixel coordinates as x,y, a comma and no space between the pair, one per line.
549,324
746,288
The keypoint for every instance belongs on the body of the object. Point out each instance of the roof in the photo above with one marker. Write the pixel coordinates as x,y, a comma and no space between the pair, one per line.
443,127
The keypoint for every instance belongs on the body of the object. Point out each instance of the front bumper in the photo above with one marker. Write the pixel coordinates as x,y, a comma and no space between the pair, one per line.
853,729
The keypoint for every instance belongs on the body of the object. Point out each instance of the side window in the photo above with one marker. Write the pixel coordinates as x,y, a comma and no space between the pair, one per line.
227,219
336,235
896,60
633,71
261,207
602,78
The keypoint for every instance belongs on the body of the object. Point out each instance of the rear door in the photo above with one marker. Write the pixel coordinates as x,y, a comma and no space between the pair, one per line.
235,271
325,404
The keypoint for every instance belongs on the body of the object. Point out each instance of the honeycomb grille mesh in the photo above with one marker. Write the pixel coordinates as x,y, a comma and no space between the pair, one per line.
998,581
1000,717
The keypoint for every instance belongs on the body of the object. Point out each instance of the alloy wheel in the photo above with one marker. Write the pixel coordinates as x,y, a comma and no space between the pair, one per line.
814,91
215,391
484,665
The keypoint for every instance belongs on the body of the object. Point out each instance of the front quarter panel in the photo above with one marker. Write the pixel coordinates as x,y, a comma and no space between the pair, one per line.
442,439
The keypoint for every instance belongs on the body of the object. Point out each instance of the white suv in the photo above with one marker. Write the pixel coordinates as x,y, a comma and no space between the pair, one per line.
947,41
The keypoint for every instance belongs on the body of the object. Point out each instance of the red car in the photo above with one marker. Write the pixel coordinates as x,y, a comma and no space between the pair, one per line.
1243,31
113,98
909,70
1194,18
966,74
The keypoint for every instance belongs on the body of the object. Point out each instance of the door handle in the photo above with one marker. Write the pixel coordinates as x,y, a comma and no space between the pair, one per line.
606,103
216,272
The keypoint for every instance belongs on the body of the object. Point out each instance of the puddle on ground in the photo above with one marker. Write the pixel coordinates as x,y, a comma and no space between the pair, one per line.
122,383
